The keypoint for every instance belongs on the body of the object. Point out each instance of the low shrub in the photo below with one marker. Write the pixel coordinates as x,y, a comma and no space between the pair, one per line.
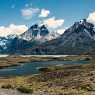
23,89
87,87
7,86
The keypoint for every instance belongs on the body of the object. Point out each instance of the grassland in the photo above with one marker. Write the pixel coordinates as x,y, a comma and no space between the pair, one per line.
55,80
18,60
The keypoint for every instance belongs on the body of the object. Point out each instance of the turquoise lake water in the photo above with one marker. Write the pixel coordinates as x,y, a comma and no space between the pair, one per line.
32,68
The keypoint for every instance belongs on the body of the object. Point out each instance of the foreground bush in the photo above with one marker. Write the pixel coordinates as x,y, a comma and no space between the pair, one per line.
87,87
7,86
23,89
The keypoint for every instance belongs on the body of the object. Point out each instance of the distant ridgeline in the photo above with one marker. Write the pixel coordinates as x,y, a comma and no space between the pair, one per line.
78,39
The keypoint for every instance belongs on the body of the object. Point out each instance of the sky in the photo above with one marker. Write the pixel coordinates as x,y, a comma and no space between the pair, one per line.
17,15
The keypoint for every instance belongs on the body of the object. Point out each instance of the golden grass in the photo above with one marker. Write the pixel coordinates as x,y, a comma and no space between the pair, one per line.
74,80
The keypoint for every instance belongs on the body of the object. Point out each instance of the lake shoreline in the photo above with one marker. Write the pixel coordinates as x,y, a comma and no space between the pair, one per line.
77,79
13,60
19,66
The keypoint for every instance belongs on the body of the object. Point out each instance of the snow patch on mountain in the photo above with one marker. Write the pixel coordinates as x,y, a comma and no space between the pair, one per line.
39,33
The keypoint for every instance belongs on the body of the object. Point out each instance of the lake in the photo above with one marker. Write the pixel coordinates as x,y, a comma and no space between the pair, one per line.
32,68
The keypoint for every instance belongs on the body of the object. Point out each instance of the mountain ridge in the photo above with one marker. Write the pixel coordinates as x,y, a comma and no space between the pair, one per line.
33,36
78,39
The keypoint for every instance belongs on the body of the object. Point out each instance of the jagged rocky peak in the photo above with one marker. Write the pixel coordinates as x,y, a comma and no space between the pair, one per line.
87,24
83,24
38,33
34,29
43,30
35,26
77,39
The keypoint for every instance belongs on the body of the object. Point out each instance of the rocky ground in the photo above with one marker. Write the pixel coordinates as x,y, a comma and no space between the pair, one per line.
13,60
55,80
10,92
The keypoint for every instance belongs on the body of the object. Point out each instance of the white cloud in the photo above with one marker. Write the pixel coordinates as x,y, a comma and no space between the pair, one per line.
91,18
60,31
53,23
44,13
12,29
27,13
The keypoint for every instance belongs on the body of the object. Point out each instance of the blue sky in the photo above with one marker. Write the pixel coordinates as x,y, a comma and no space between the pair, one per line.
69,10
11,11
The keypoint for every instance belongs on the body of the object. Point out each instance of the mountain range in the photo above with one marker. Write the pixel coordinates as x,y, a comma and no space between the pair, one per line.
35,35
78,39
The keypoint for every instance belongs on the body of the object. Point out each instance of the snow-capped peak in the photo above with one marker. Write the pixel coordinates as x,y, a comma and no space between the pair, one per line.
38,33
83,26
11,36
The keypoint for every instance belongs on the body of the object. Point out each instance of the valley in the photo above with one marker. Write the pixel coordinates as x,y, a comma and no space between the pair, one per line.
47,47
13,60
66,79
56,79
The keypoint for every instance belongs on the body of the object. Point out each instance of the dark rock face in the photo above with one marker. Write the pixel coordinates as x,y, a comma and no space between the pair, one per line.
78,39
18,44
43,31
34,32
35,35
